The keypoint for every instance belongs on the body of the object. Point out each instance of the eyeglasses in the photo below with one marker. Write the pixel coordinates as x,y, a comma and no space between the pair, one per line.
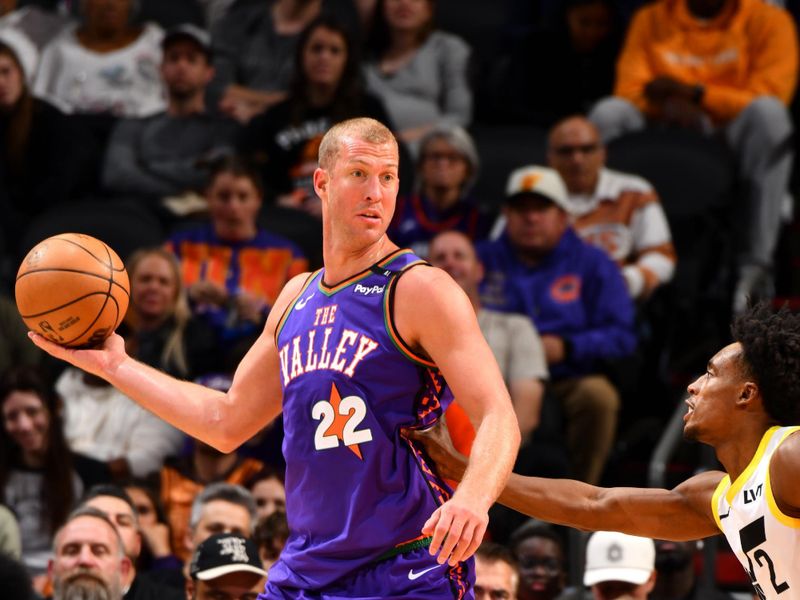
581,148
451,157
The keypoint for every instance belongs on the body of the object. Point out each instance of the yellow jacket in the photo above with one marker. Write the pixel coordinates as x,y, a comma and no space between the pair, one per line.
748,50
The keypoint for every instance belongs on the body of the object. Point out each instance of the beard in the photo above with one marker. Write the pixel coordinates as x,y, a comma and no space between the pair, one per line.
86,586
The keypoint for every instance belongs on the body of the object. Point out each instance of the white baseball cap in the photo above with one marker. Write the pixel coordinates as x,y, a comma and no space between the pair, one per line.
25,50
612,556
542,181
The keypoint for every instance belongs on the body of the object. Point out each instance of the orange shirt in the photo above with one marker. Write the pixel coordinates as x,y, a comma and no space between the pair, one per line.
178,492
748,50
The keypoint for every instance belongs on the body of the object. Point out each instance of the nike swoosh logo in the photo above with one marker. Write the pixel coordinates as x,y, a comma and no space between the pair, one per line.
301,304
412,576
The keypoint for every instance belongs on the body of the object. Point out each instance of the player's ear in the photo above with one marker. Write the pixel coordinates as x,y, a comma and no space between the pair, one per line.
747,393
321,180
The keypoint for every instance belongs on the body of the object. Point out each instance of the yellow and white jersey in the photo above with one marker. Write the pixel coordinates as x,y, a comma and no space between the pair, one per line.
766,541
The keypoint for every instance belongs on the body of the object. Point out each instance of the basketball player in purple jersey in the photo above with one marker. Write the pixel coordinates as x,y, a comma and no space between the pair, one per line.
374,342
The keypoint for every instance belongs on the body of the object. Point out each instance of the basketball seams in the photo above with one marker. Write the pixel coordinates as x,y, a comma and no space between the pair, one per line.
97,318
79,271
109,264
102,309
63,306
84,320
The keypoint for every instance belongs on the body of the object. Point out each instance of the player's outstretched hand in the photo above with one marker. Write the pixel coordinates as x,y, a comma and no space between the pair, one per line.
101,361
457,527
450,463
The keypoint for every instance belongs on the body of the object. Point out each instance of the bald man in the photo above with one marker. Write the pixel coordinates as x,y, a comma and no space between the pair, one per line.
618,212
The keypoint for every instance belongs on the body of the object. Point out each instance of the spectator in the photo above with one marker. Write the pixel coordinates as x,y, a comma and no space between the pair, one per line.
581,48
496,574
156,548
540,553
420,73
512,337
254,46
36,23
182,479
268,492
619,565
38,480
677,579
226,566
15,347
219,508
728,67
325,88
105,64
234,269
617,212
447,168
10,540
167,154
576,298
36,140
90,559
159,328
115,504
270,536
103,423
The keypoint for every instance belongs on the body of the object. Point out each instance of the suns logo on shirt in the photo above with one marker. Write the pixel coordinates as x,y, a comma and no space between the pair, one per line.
566,288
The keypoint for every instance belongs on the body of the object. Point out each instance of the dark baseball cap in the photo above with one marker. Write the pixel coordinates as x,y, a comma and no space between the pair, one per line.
225,553
187,31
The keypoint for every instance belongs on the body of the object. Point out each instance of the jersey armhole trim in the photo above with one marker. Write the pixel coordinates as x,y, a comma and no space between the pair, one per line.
388,318
291,304
737,485
782,517
721,487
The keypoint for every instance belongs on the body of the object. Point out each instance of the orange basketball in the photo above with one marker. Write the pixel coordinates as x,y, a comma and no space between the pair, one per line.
72,289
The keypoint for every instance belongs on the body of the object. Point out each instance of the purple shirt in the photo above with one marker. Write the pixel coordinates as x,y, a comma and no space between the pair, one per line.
355,488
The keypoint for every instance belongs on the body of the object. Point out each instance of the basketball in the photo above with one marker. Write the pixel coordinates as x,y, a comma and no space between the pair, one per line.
72,289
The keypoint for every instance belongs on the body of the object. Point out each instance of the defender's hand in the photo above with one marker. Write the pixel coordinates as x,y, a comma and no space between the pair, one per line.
450,463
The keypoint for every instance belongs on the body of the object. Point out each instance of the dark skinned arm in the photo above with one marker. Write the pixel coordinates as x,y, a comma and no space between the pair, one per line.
680,514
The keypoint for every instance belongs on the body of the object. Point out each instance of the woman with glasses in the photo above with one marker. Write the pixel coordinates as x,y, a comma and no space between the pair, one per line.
447,168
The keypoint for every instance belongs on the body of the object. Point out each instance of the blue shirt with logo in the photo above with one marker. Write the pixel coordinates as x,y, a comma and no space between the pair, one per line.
576,292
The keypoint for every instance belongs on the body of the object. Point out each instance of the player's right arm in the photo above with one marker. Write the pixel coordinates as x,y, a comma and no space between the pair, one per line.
683,513
223,420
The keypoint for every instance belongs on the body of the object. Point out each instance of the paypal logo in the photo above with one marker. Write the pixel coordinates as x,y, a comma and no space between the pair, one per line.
368,291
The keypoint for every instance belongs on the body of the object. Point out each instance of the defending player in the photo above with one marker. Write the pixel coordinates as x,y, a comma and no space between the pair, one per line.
351,354
744,406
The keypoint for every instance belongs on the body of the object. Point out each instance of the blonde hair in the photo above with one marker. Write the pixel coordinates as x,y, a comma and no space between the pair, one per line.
173,351
362,128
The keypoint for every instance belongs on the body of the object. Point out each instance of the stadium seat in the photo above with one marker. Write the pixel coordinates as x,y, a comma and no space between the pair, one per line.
503,148
124,226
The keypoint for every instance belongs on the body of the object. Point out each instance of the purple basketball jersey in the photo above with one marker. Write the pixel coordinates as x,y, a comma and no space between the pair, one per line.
355,488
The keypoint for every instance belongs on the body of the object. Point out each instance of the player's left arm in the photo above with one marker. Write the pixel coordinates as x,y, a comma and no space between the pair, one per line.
784,475
434,316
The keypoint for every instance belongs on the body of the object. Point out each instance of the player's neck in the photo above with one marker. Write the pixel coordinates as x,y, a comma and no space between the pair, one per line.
737,450
343,261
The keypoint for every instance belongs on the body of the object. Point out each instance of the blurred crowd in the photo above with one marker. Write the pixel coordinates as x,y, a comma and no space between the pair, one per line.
607,180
